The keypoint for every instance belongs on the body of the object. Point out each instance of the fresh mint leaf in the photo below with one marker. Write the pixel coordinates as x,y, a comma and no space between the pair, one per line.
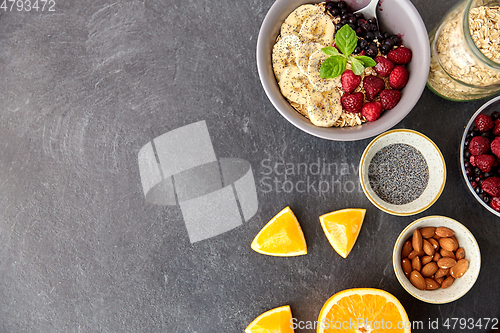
346,40
333,66
330,50
366,61
357,66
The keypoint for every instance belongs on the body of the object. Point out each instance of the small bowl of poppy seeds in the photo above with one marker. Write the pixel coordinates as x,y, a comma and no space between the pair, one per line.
402,172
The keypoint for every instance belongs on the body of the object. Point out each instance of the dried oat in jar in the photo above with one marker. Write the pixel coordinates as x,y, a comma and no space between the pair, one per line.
465,52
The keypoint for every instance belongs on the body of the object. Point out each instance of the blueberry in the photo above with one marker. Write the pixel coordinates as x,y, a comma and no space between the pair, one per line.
470,178
467,154
385,49
372,20
338,26
369,36
335,11
396,39
358,50
343,21
468,171
353,27
479,190
345,16
386,35
389,42
477,171
495,115
342,4
486,198
467,142
330,5
486,134
344,11
363,43
352,20
467,164
488,175
378,35
358,16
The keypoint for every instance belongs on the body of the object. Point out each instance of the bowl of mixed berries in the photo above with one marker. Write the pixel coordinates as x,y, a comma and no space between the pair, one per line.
480,155
337,74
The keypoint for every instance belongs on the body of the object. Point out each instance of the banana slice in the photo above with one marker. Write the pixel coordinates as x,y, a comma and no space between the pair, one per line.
324,108
284,54
295,85
313,71
318,28
303,53
294,21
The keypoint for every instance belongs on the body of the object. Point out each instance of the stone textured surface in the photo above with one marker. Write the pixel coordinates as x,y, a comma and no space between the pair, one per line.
85,87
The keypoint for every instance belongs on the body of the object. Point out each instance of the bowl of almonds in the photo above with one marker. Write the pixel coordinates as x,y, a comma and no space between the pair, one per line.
436,259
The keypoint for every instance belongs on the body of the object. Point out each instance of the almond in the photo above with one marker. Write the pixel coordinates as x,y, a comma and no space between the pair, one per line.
407,248
414,254
434,242
428,247
416,264
444,232
428,232
441,273
417,280
447,282
448,244
430,284
460,268
429,269
406,264
460,254
439,280
436,257
425,260
417,241
446,253
446,262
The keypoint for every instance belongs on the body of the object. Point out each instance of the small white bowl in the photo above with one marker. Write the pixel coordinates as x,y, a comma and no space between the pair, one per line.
461,285
435,163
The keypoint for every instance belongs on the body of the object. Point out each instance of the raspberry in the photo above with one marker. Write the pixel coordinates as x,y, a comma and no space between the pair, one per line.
399,77
389,98
495,146
496,129
372,85
472,161
484,122
353,102
479,145
384,66
372,110
485,162
491,186
495,203
400,56
350,81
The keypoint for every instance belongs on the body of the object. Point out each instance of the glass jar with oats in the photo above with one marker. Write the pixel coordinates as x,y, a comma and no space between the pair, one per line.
465,52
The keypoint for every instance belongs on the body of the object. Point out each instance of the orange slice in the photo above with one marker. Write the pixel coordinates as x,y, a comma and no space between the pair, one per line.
282,236
363,310
342,228
278,320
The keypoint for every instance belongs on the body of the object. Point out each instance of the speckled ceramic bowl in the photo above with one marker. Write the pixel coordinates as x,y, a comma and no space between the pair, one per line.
487,108
461,285
435,163
396,16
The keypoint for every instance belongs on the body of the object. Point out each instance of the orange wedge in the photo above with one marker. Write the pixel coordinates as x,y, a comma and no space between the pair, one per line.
282,236
363,310
277,320
342,228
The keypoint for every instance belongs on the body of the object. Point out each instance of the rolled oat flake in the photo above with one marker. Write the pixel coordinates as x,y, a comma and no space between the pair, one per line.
398,173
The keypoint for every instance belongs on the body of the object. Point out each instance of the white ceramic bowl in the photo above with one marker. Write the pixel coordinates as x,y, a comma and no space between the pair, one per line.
433,157
395,16
487,108
461,285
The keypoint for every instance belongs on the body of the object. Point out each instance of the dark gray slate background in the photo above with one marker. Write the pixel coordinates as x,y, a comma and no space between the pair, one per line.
85,87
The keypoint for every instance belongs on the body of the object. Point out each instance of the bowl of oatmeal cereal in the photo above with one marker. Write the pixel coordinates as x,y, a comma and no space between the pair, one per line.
398,20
